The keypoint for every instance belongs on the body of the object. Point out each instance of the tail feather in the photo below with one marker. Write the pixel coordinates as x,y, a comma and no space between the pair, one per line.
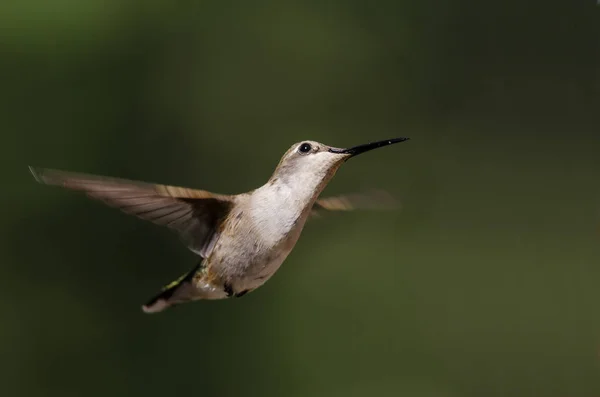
175,292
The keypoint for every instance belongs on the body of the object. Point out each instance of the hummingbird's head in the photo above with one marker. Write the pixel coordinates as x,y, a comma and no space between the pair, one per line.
314,164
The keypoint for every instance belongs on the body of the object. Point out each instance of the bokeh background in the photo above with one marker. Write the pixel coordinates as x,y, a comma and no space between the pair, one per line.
486,283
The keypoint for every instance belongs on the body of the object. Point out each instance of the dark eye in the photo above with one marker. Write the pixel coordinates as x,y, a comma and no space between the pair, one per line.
305,148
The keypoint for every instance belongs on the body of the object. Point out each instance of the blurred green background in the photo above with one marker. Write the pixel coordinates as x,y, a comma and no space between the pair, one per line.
486,283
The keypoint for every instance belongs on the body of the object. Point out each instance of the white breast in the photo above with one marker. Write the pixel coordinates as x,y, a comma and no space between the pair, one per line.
275,212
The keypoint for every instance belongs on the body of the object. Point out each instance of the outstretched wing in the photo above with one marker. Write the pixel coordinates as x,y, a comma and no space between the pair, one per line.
372,200
195,214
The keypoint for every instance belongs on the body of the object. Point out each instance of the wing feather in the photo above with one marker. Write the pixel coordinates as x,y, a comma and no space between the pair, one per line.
195,214
372,200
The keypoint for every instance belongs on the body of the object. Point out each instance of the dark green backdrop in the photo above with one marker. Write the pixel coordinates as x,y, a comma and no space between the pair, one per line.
486,283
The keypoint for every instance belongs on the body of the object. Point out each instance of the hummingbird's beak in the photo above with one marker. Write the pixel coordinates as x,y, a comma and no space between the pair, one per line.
356,150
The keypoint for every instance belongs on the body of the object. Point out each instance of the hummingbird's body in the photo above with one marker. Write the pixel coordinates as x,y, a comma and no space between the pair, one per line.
242,239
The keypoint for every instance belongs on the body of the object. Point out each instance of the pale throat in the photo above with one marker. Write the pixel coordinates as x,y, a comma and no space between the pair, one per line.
282,205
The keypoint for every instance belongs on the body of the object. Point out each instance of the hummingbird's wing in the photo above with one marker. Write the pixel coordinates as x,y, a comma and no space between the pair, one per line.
195,214
372,200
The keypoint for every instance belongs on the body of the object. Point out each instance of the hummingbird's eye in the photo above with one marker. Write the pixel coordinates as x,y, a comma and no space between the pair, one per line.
305,148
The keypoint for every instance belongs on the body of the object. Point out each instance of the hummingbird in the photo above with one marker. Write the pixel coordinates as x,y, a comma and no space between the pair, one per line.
242,239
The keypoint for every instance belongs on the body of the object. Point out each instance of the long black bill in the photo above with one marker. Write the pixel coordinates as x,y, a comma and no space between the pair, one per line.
356,150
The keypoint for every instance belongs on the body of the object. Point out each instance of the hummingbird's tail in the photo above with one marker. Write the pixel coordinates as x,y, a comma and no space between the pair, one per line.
178,291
